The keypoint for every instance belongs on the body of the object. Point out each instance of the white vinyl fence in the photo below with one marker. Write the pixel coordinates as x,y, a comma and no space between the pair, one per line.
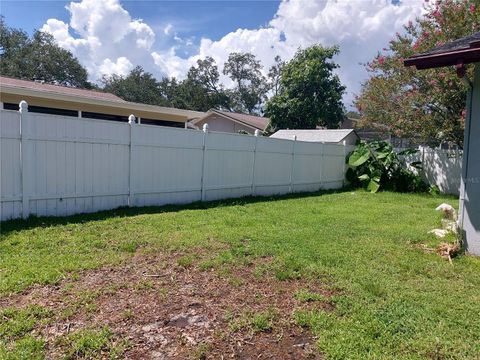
442,168
55,165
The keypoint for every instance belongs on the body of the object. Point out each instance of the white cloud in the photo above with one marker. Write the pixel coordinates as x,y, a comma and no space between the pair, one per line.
110,41
120,67
168,29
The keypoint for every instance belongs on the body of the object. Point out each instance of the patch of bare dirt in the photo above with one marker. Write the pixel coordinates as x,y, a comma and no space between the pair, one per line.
166,311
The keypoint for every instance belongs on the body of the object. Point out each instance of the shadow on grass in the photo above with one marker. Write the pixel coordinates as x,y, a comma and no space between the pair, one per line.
46,221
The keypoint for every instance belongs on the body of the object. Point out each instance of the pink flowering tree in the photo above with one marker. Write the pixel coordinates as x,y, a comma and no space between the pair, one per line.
427,105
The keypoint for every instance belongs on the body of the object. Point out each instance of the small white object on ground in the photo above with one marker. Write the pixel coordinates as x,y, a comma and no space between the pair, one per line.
448,211
441,233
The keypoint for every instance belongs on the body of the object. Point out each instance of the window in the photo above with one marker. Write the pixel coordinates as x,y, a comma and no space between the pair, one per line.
162,123
42,110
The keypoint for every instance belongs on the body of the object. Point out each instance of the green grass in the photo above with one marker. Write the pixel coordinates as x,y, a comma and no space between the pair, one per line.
90,344
394,301
255,322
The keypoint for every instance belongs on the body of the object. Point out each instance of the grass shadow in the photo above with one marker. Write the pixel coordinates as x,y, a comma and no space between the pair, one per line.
46,221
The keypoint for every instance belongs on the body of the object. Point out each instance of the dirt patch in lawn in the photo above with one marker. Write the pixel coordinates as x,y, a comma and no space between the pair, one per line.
160,309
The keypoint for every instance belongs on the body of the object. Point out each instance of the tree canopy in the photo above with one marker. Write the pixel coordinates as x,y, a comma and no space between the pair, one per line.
251,87
137,86
427,105
38,58
309,92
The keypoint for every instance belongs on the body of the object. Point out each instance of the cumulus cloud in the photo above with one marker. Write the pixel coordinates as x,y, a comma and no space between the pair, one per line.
109,41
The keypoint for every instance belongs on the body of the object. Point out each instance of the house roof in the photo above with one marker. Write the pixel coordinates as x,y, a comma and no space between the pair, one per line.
92,100
57,89
462,51
257,122
328,136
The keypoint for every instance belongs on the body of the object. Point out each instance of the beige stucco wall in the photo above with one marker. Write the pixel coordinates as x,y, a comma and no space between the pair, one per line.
219,123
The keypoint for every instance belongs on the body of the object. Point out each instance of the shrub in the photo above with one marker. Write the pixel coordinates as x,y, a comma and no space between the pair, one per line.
375,165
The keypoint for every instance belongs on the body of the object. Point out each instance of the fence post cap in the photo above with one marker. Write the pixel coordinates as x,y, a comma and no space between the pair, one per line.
294,137
257,132
131,119
205,128
23,106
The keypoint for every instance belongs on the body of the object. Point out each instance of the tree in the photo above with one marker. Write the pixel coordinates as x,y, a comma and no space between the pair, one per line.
427,105
138,86
310,94
250,85
274,75
203,87
38,58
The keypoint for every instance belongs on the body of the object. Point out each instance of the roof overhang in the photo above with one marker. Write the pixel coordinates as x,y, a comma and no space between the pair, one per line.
456,57
218,113
171,114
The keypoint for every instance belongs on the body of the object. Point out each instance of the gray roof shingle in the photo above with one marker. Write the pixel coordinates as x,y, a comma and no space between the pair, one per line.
328,136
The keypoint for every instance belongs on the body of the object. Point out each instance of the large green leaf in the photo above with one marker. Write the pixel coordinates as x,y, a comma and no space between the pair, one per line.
373,185
359,157
364,177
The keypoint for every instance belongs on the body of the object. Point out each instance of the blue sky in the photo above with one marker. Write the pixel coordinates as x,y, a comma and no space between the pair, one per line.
167,37
196,19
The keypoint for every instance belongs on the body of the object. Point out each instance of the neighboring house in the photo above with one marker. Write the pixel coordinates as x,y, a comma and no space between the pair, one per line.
231,122
459,53
332,136
69,101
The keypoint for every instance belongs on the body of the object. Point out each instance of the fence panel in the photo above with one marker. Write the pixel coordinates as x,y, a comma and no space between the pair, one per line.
442,168
57,165
10,169
167,165
273,166
307,166
228,165
333,165
75,165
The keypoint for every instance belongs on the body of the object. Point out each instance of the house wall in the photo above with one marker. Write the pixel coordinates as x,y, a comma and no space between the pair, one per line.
55,165
87,107
470,188
219,123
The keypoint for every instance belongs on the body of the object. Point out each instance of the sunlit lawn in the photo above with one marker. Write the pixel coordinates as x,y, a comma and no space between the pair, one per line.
393,300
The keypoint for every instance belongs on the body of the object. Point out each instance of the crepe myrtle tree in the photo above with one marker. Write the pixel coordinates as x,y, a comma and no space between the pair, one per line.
309,92
427,106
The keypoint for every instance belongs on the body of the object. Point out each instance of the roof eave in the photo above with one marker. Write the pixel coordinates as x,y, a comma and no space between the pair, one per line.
187,114
430,61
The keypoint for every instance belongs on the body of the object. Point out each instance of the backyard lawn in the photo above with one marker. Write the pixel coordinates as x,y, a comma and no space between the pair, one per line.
344,275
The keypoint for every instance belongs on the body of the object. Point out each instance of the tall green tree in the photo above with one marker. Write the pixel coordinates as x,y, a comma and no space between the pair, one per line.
38,58
202,87
138,86
427,105
310,94
275,74
250,87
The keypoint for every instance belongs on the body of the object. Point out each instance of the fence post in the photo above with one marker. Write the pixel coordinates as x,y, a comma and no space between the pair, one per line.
204,160
344,142
293,163
322,158
23,109
257,133
131,123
